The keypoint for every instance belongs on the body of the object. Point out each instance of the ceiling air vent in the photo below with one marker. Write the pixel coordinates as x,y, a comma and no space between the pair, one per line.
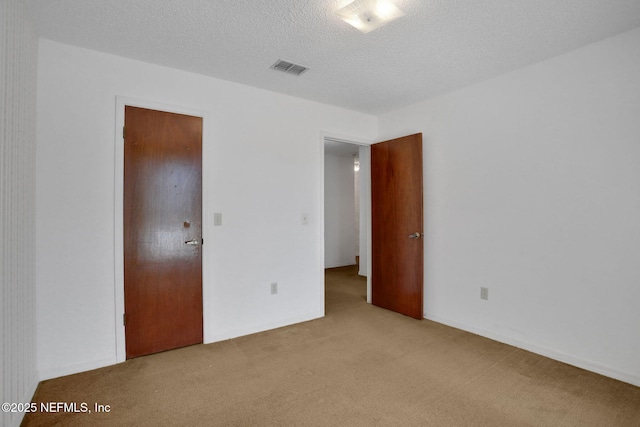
289,67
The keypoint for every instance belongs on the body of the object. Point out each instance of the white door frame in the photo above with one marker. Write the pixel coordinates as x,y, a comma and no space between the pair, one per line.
121,102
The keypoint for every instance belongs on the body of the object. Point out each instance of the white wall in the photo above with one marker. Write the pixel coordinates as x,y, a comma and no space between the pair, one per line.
18,56
261,170
532,189
339,212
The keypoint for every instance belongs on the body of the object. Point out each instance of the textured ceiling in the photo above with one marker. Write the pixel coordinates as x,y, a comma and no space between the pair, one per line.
439,46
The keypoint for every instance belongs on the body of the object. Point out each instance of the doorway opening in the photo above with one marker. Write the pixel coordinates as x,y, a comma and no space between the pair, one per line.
347,206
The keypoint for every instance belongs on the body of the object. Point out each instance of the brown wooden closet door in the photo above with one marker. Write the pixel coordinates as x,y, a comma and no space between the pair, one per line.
162,230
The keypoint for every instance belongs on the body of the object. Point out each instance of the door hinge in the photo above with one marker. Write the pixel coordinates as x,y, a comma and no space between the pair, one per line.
124,319
123,128
202,242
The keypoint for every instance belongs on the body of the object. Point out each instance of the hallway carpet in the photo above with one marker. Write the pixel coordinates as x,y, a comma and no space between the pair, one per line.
358,366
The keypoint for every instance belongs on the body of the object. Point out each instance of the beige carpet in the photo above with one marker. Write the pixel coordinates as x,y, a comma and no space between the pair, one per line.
358,366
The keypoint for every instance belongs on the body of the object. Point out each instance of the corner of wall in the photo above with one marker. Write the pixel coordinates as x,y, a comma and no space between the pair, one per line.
18,85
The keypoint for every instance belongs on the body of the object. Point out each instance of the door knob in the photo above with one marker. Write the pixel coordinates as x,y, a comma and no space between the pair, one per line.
415,235
192,242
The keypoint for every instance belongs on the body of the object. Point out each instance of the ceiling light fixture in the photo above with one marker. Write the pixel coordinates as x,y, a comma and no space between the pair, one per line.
368,15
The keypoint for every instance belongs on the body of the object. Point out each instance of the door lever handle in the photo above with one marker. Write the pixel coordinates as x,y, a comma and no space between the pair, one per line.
192,242
415,235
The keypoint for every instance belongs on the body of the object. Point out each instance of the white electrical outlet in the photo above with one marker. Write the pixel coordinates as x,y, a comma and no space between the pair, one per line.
274,288
304,219
484,293
217,219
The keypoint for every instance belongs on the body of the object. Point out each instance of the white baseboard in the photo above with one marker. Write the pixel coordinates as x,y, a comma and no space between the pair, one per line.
234,333
543,351
61,371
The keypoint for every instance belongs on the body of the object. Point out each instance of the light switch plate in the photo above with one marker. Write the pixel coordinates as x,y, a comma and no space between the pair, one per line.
217,219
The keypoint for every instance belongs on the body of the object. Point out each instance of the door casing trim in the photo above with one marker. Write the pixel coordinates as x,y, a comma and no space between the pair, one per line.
118,225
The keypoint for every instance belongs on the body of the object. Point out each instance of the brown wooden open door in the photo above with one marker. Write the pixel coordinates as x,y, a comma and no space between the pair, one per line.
162,231
397,225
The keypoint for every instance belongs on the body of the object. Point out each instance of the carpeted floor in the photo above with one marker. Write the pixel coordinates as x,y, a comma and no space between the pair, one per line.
358,366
